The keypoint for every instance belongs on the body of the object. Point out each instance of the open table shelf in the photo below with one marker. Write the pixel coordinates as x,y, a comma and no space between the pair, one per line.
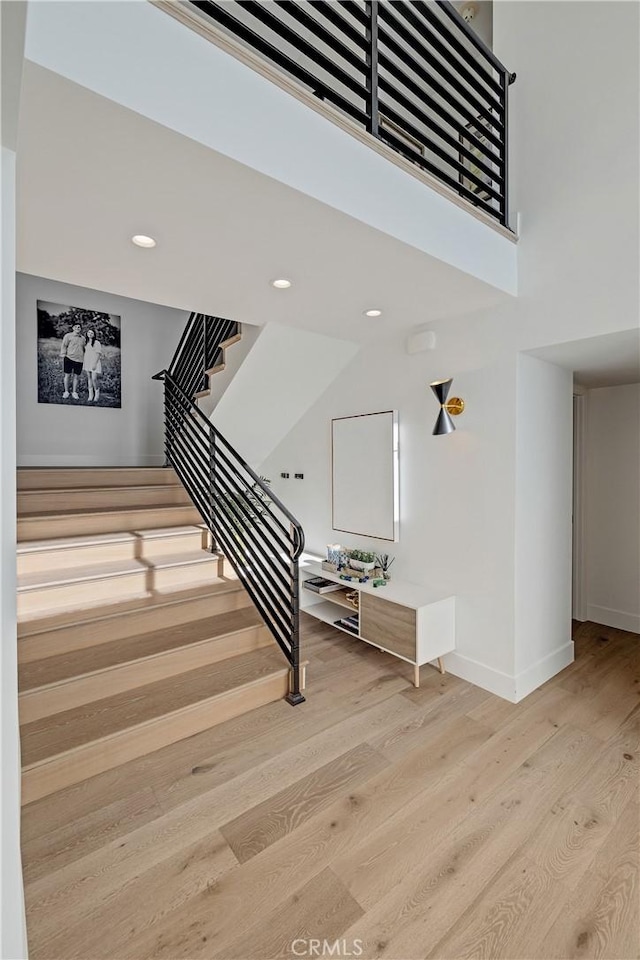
407,620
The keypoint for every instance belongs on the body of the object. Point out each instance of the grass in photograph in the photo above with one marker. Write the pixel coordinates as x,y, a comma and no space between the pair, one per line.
51,374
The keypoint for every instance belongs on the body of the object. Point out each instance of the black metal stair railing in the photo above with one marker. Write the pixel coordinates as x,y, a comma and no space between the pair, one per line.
258,535
201,349
411,72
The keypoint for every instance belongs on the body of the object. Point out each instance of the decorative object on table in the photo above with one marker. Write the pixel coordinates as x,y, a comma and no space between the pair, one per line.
320,585
448,408
349,623
333,553
353,597
383,562
379,583
361,560
342,559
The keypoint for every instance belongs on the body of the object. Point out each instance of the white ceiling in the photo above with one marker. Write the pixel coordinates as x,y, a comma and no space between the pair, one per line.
607,361
92,173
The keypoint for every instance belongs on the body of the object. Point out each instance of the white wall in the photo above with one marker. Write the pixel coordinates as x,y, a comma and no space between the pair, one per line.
52,435
13,938
282,376
612,550
577,190
456,492
544,397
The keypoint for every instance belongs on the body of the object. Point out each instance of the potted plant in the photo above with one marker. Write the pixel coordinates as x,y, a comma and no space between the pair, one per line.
361,560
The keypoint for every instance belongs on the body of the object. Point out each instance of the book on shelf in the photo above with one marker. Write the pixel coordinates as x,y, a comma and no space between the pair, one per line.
320,585
348,623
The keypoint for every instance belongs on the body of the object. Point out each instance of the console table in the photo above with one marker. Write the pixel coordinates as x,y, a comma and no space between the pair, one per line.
409,621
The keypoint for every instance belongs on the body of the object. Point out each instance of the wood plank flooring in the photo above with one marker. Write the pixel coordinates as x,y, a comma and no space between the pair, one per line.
433,823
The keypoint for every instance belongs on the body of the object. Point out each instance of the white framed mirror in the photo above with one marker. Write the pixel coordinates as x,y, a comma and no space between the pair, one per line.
364,475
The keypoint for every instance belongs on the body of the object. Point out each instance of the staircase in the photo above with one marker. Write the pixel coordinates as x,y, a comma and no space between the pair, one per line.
131,633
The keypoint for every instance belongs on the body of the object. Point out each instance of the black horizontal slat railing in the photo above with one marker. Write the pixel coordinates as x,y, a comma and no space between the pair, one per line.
411,72
261,539
199,351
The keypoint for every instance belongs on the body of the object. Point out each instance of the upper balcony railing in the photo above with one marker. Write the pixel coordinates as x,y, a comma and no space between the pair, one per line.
411,72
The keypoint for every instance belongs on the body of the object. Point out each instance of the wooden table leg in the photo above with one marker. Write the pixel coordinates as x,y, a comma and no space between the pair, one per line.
416,675
440,665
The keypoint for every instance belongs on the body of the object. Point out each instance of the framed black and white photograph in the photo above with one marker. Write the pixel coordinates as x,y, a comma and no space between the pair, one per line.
79,358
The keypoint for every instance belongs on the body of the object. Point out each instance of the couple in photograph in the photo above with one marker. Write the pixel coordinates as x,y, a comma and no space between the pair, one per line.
80,353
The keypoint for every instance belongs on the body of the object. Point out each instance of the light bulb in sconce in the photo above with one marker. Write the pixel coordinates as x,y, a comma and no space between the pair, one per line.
448,408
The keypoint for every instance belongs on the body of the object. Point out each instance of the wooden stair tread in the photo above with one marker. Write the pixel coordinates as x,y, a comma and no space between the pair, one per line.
106,488
37,526
95,539
64,618
47,738
60,476
114,568
93,659
101,511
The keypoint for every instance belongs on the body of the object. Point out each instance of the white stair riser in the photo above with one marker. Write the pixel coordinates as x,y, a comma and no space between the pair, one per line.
78,636
69,556
46,701
52,501
79,764
42,478
55,527
87,593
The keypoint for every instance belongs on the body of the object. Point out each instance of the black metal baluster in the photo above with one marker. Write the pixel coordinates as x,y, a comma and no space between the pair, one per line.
372,66
213,519
295,693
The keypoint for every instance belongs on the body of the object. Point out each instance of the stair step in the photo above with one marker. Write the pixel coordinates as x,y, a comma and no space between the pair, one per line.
102,498
69,680
36,556
83,587
79,743
30,478
71,523
69,630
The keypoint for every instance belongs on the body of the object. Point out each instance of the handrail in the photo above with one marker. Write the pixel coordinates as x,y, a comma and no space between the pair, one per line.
410,72
163,375
259,536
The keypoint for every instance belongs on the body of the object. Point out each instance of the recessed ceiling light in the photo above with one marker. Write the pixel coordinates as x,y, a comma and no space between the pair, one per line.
141,241
373,313
281,284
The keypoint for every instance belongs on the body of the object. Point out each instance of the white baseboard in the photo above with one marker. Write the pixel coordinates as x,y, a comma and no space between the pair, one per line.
81,460
538,673
482,676
502,684
614,618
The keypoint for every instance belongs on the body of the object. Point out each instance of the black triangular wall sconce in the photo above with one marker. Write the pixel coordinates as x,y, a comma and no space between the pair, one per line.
448,408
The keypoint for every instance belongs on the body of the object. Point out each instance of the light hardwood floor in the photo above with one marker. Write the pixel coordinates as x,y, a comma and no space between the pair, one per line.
441,822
